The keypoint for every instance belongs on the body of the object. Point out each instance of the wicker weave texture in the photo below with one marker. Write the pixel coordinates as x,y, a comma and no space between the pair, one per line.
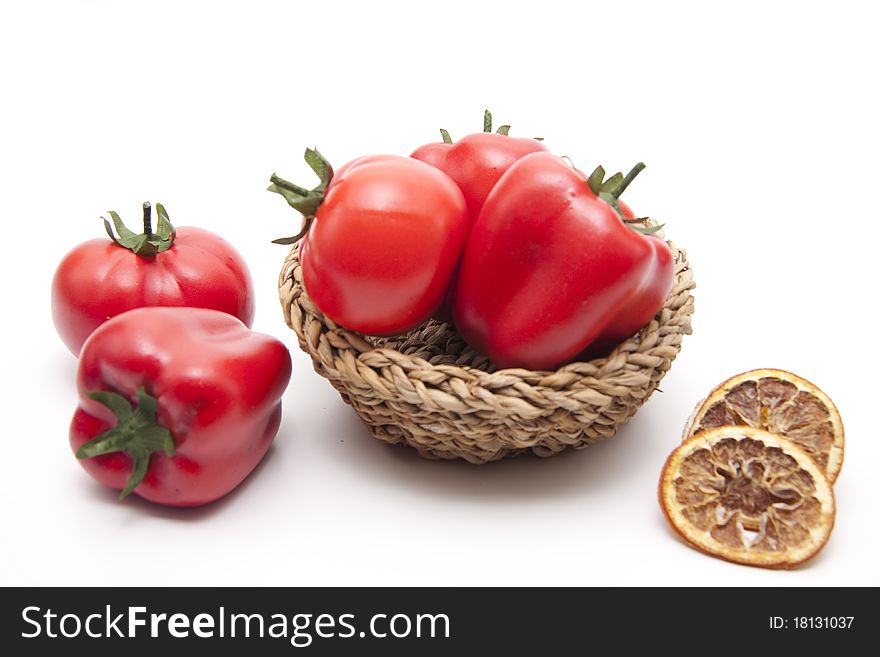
429,389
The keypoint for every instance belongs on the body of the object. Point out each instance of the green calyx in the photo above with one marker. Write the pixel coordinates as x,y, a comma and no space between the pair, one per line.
136,433
487,127
610,189
305,201
148,243
487,124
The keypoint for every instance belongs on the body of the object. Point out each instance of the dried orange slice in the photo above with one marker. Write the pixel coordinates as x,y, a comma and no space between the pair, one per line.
779,402
747,496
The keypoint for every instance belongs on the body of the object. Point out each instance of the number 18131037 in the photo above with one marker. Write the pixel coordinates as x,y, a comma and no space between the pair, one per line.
811,622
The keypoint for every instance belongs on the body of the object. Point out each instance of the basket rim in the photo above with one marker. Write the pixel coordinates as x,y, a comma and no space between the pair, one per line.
683,284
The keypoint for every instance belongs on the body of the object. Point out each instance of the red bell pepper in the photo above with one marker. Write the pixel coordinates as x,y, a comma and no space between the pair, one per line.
177,405
552,267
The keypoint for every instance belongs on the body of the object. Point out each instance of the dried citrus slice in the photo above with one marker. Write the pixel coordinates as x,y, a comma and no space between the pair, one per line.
747,496
779,402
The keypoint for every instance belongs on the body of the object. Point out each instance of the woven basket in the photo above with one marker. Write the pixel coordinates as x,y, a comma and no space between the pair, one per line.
429,389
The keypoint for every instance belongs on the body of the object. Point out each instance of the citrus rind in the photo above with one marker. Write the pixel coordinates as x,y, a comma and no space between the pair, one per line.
747,496
779,402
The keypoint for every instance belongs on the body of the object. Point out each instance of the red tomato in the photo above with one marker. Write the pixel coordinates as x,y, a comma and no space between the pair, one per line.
100,279
384,237
177,405
358,161
477,162
550,268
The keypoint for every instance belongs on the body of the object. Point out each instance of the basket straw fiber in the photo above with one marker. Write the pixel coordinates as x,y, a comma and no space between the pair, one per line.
432,391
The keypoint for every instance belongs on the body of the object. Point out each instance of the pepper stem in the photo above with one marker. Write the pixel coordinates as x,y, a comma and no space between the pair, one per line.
610,189
621,187
137,433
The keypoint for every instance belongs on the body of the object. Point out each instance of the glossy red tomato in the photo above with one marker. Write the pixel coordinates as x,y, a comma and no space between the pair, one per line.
100,279
476,162
383,240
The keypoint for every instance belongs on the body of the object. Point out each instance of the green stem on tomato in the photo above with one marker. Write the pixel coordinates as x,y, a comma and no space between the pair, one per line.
148,221
148,244
305,201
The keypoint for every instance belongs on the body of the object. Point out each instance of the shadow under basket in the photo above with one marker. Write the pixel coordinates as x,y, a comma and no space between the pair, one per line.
430,390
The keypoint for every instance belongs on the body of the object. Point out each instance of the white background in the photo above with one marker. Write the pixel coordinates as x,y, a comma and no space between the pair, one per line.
758,123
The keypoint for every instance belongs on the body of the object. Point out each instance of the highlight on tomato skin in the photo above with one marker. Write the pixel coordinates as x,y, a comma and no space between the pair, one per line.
168,266
177,405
